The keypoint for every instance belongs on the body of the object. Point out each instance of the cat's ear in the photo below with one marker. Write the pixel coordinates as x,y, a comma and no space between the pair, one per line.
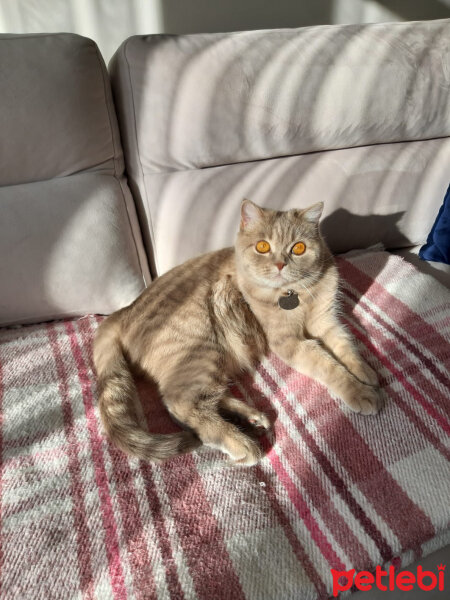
251,214
313,213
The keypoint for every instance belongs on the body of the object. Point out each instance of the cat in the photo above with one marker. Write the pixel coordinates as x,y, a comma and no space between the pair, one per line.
205,321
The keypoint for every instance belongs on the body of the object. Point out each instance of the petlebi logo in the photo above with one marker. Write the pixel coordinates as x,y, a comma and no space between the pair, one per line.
388,580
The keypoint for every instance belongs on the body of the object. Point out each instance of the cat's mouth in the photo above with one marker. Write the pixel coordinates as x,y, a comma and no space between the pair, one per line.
279,280
281,276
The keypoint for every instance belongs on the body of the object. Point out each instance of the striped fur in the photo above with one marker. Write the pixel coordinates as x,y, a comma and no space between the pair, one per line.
205,321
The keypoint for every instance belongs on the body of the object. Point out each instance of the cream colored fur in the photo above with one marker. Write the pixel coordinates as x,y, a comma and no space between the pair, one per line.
197,326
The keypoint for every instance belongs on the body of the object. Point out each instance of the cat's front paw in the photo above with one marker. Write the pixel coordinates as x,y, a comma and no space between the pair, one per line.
364,399
363,372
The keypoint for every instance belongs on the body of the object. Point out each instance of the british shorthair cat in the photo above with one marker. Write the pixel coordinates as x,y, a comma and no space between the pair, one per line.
202,323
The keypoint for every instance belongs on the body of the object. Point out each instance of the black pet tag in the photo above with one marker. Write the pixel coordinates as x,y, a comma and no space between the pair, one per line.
289,302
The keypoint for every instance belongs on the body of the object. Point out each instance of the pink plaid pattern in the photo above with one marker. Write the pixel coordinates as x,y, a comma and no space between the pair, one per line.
335,489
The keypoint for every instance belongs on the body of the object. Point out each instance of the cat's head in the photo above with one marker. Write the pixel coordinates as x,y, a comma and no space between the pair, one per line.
278,248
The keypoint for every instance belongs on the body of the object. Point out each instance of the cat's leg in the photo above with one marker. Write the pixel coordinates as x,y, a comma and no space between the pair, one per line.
309,357
340,343
252,415
200,413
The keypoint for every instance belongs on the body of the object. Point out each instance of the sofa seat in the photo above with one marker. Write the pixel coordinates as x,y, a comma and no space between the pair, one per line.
334,490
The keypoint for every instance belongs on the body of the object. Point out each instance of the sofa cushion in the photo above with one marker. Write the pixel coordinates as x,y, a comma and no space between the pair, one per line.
437,247
55,115
387,193
212,99
66,257
236,103
69,238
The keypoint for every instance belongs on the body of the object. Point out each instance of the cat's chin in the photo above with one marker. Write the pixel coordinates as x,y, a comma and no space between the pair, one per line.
279,282
275,282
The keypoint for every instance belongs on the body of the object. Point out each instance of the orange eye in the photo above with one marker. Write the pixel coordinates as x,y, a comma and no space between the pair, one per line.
298,248
262,247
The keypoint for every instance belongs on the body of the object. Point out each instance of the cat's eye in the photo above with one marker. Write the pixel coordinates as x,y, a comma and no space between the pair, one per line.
298,248
262,247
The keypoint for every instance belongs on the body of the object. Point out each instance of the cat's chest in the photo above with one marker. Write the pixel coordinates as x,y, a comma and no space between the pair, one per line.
290,314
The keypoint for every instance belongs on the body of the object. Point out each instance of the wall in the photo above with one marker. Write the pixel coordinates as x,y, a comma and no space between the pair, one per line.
109,22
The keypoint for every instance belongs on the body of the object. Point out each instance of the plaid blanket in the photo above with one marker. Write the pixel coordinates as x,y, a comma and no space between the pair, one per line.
335,489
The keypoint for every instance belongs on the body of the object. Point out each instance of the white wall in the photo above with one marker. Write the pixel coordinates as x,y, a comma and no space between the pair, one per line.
109,22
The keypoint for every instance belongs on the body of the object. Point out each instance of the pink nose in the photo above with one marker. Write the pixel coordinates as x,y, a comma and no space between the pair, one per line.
280,265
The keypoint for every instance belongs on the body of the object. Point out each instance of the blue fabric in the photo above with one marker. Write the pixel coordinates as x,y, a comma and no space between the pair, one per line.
437,247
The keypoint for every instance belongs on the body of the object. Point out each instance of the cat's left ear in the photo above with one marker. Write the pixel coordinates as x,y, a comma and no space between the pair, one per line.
313,213
251,214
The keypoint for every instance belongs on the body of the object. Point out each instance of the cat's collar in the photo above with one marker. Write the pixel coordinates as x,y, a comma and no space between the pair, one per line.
288,301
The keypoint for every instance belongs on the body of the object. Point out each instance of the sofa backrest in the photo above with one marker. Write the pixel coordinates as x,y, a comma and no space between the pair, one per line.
357,116
70,243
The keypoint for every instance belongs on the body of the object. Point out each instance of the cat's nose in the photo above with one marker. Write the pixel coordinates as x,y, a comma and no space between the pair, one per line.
280,265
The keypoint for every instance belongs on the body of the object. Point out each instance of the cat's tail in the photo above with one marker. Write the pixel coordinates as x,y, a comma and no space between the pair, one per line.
117,394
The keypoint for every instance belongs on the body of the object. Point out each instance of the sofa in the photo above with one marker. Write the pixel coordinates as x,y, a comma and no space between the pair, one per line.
64,194
108,178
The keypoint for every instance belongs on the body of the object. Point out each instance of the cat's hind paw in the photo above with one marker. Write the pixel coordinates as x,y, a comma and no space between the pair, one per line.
260,422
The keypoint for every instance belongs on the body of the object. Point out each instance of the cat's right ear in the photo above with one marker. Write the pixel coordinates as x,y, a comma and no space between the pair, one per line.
251,214
313,213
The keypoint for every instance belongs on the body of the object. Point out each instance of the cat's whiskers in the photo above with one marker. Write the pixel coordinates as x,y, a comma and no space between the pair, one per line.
308,290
